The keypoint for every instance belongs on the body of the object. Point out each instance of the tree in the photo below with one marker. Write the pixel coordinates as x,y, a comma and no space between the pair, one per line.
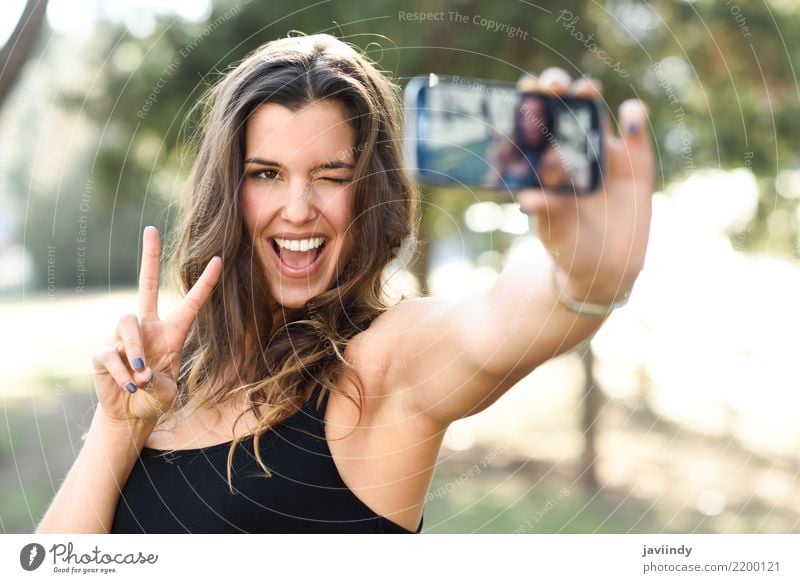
20,45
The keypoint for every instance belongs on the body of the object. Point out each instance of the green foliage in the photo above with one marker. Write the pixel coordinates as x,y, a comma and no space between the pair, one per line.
726,97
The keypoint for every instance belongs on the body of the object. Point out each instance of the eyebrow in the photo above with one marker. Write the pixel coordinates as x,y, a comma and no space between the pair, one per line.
330,165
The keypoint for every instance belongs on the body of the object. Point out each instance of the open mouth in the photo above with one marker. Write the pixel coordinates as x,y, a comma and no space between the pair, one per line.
298,262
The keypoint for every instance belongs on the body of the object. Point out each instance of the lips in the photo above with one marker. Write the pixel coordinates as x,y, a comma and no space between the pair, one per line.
291,272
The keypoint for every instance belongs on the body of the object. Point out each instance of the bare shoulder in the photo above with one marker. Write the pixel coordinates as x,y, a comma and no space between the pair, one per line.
383,417
376,349
384,353
404,318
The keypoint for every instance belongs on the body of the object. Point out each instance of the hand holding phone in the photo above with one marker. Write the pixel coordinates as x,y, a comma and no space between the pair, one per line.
599,242
586,189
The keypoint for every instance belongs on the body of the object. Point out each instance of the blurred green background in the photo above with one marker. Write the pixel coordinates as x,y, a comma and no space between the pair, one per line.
682,417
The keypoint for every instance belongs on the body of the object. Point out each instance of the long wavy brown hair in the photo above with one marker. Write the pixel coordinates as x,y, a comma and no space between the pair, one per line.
238,348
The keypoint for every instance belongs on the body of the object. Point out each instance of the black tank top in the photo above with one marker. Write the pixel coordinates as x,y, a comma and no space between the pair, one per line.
187,490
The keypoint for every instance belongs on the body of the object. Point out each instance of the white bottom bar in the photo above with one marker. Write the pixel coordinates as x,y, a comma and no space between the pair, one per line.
401,558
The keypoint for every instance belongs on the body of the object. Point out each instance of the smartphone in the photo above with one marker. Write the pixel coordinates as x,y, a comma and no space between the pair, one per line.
488,135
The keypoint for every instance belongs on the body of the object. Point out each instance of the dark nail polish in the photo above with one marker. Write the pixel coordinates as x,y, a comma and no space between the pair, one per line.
138,363
131,387
633,128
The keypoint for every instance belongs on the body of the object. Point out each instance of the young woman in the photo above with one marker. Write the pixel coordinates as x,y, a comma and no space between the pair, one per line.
285,393
514,161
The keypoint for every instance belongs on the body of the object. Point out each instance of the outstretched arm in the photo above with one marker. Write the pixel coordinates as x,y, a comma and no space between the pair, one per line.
463,355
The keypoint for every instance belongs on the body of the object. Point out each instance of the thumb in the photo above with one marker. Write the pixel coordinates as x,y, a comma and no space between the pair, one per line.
634,125
637,158
159,394
534,201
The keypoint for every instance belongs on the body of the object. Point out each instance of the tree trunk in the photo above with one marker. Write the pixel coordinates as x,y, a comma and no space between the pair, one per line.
421,262
20,45
592,401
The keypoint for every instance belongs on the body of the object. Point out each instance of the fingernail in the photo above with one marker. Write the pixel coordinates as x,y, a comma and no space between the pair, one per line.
633,128
131,387
138,363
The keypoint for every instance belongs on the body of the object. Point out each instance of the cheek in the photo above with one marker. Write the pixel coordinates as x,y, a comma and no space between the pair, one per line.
340,212
345,228
255,213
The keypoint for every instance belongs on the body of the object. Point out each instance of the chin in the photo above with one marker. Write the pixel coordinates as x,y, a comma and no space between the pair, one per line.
293,303
294,293
293,300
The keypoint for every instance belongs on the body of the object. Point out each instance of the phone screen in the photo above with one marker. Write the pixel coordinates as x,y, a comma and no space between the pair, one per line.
488,135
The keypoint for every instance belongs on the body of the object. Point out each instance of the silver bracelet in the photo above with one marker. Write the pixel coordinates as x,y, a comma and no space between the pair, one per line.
587,308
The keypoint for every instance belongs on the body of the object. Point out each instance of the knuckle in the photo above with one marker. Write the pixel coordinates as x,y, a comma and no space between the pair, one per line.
120,373
193,303
149,283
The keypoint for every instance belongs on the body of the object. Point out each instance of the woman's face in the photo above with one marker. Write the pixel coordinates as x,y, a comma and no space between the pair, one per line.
297,189
533,122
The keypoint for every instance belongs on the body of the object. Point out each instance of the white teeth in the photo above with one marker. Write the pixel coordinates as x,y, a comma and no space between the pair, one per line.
300,245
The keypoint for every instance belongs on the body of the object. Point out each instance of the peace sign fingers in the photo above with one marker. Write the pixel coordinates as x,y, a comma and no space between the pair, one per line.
186,312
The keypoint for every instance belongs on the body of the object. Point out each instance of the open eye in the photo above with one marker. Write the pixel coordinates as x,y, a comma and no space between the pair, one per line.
264,174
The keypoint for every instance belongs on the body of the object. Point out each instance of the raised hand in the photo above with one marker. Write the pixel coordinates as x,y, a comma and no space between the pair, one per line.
145,351
598,240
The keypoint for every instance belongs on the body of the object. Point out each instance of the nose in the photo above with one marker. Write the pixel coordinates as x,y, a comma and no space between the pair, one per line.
299,208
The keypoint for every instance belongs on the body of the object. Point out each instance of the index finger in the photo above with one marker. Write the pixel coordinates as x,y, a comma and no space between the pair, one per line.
555,81
186,312
587,88
150,274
